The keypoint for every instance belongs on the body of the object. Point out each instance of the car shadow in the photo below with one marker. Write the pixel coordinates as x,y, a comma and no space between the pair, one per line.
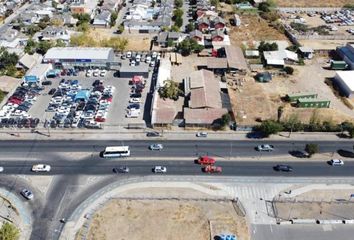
345,153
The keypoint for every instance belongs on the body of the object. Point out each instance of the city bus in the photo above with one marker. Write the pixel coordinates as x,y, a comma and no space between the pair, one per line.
122,151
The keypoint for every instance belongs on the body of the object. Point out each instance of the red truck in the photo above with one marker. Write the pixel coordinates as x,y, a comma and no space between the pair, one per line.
205,160
212,169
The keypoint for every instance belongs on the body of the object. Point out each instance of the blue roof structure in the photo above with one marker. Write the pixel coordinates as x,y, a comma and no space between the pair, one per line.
82,95
346,51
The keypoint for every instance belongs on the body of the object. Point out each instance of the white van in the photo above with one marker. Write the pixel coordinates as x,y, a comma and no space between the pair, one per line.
133,113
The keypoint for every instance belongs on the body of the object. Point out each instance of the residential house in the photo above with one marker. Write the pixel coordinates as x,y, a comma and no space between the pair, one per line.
53,33
165,37
112,5
67,19
280,57
217,23
203,24
198,36
11,38
217,35
205,106
102,19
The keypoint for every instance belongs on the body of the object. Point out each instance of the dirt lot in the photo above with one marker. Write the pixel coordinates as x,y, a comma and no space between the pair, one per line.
312,3
166,219
253,28
308,78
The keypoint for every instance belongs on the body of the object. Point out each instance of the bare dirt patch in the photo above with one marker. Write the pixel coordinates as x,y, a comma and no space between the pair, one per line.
313,3
138,42
166,219
253,28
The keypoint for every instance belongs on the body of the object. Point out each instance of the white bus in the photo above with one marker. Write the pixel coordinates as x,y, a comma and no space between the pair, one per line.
122,151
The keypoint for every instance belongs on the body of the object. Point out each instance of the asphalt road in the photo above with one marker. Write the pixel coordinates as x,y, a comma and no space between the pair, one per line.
17,157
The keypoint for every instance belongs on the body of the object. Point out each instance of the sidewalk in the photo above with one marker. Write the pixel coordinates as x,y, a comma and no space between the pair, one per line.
133,134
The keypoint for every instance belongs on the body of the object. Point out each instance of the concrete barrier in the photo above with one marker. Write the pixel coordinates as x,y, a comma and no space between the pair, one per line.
303,221
284,222
330,221
348,221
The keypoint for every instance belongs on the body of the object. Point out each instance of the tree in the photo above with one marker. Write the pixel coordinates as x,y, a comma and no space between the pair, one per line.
270,127
280,112
265,46
178,13
32,29
225,119
178,3
190,27
214,3
179,22
175,28
289,70
7,59
54,4
83,27
170,90
56,22
311,148
120,28
188,45
266,6
114,17
60,43
9,232
44,46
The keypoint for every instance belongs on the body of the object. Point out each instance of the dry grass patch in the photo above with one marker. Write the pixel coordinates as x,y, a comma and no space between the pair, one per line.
313,3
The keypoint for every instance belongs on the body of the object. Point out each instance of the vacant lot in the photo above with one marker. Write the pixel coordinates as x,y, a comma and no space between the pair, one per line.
166,219
313,3
253,28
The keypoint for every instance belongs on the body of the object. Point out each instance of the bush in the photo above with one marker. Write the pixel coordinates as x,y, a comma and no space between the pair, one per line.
264,46
311,148
9,232
289,70
270,127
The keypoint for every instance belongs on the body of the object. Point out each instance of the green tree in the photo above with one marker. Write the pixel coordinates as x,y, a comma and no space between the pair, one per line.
170,90
289,70
83,27
11,71
214,3
32,29
265,46
44,46
175,28
270,127
60,43
114,17
7,59
9,232
54,4
120,29
190,27
188,45
225,119
178,13
179,22
178,3
311,148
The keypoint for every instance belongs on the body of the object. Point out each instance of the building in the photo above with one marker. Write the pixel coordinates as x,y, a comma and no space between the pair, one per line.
345,82
296,96
237,20
306,52
312,103
164,73
102,19
29,61
127,71
85,57
37,74
205,105
347,54
197,36
166,38
53,33
280,57
235,59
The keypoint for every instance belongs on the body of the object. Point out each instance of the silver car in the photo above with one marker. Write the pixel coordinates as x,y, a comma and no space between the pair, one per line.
156,146
265,148
27,194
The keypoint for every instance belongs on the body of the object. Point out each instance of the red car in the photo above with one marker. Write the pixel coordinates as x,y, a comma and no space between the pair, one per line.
99,119
212,169
205,160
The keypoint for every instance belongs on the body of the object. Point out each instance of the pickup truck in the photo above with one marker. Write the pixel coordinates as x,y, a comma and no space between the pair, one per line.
205,160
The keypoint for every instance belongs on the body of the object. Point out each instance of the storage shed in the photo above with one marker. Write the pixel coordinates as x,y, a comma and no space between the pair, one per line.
296,96
312,103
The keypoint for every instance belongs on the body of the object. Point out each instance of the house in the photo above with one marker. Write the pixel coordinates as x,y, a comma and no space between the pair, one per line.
217,23
164,38
347,54
102,19
306,52
112,5
235,59
278,58
27,61
205,105
67,19
203,24
53,33
217,35
12,39
197,35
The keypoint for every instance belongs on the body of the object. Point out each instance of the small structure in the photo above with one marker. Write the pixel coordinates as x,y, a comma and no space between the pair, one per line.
313,103
306,52
278,58
27,61
37,74
102,19
347,54
237,20
296,96
345,81
264,77
252,53
338,65
127,71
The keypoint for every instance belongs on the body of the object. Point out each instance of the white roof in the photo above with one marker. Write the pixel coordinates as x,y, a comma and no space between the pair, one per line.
347,78
117,148
280,55
78,53
164,72
39,70
275,62
306,49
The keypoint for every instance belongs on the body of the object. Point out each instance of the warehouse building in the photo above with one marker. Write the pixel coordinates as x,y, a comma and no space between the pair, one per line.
80,57
347,53
345,82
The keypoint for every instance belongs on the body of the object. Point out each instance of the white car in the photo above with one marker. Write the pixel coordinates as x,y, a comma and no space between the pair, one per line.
202,134
41,168
135,100
132,63
336,162
265,147
88,73
1,169
156,146
129,54
103,73
159,169
152,64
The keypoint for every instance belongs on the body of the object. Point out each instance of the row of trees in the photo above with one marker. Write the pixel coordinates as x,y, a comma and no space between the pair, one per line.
178,19
85,40
43,46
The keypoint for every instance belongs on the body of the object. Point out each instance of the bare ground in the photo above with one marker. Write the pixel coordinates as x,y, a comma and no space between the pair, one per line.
166,219
313,3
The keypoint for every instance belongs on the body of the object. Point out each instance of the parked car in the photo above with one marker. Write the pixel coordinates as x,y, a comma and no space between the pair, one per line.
47,83
52,91
265,147
202,134
153,134
27,194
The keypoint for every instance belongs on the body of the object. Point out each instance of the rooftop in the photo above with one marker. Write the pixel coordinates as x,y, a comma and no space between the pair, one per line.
79,53
235,58
347,77
203,115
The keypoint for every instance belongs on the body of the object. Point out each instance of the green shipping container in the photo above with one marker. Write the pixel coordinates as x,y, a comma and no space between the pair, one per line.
338,65
295,96
312,103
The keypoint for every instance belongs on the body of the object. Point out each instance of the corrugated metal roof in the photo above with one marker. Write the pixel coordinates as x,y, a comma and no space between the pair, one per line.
235,58
79,53
203,116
